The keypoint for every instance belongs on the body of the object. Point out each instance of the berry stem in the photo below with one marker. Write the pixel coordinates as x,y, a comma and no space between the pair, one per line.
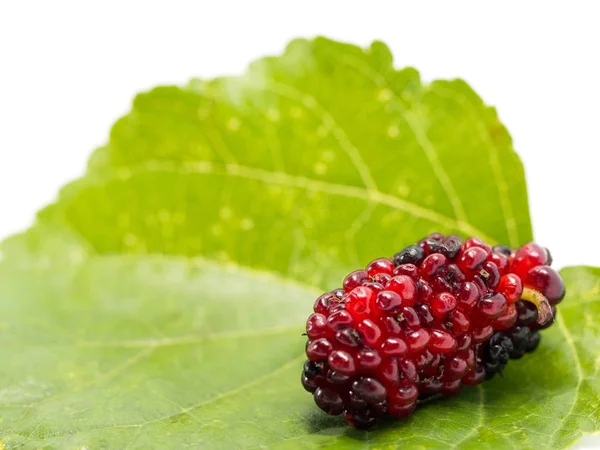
541,303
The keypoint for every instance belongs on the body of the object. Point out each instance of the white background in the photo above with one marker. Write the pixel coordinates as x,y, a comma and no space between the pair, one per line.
69,69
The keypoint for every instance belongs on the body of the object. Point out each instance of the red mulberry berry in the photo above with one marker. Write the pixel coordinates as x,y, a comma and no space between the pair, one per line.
438,315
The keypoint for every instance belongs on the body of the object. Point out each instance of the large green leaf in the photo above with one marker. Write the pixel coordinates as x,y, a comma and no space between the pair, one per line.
159,302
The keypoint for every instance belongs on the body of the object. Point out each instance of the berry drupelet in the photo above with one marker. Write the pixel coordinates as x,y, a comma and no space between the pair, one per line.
438,315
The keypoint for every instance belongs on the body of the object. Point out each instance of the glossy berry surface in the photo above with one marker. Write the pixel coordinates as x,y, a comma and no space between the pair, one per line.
439,314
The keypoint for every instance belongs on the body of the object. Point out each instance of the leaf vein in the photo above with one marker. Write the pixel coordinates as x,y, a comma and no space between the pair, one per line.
419,133
484,134
229,392
300,182
311,103
480,419
578,369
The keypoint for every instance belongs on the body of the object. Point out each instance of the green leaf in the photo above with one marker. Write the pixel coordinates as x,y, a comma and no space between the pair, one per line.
159,303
